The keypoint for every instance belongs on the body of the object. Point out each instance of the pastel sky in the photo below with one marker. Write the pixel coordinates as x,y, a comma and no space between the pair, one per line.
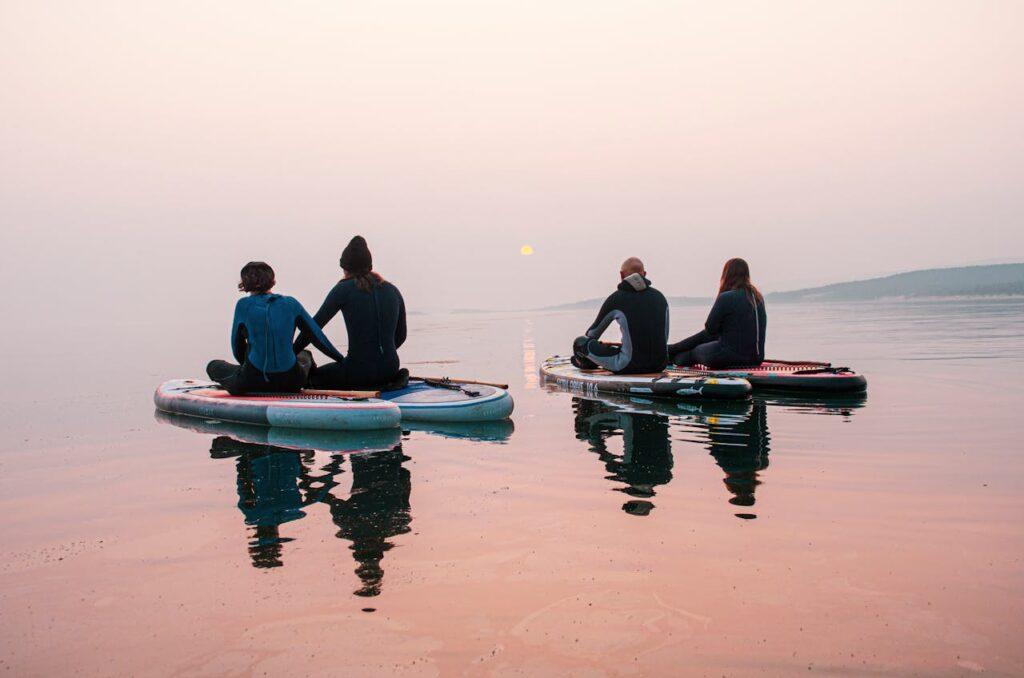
151,148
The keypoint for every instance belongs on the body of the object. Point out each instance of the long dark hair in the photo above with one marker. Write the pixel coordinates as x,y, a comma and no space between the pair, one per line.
736,276
365,280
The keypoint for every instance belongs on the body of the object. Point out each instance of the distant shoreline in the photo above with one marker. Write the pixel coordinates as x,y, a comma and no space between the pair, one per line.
689,301
993,281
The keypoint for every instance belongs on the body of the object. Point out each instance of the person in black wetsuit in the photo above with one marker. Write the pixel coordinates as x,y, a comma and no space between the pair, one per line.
733,335
642,314
374,313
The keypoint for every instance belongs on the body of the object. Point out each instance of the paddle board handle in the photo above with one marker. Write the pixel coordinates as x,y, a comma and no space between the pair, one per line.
360,395
463,381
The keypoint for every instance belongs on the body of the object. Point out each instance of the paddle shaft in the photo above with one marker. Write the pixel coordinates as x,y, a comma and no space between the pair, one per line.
463,381
341,394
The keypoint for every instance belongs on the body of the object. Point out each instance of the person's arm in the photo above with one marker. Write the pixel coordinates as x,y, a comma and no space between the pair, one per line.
328,309
308,326
239,341
719,310
668,320
603,320
400,328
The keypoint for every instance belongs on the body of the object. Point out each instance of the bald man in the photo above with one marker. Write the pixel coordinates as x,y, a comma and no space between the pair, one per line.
642,314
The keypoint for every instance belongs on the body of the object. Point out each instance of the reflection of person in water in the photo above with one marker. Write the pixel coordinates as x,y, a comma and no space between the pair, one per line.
741,450
268,492
377,509
646,459
275,484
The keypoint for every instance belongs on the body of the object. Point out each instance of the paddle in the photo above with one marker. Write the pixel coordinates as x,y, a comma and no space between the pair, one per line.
449,380
355,395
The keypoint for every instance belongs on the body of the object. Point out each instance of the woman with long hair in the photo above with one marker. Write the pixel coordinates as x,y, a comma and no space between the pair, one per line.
261,339
733,335
374,313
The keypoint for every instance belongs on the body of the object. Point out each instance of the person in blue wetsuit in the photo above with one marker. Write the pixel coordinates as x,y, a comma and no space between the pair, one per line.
733,335
374,313
261,339
642,315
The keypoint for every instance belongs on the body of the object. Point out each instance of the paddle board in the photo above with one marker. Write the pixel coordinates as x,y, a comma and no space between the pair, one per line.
562,372
442,401
787,375
199,398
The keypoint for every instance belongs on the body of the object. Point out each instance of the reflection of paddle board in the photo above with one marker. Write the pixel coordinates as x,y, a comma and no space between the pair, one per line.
843,404
481,431
560,371
452,402
206,399
695,410
784,375
291,438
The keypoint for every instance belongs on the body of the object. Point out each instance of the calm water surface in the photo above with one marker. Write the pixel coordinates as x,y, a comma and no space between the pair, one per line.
879,534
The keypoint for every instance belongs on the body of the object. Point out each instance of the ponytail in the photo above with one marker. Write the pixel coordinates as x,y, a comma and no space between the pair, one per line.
367,280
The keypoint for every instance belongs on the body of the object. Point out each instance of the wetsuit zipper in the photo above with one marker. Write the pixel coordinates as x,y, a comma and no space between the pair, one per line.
266,339
757,333
376,310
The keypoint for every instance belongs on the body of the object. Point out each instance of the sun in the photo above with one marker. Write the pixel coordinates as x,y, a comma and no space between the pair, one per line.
526,250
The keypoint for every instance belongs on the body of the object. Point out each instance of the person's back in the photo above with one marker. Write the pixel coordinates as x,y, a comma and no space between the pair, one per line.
375,324
738,319
374,314
262,331
733,335
642,315
269,323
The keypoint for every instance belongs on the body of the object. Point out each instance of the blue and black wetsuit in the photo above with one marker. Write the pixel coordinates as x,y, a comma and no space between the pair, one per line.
642,314
375,321
733,335
261,341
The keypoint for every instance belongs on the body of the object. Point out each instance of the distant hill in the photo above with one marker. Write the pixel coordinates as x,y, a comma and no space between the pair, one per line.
966,281
597,301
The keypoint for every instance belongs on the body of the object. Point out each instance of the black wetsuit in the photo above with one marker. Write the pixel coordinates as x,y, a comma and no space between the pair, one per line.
375,321
733,335
642,314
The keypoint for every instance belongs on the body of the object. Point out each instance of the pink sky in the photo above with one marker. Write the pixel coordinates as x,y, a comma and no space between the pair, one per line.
822,141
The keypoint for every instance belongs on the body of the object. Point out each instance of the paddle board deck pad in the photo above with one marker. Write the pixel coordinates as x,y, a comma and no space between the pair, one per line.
788,375
560,371
438,401
341,442
198,398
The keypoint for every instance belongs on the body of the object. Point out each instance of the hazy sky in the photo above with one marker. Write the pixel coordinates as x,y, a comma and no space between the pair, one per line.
148,149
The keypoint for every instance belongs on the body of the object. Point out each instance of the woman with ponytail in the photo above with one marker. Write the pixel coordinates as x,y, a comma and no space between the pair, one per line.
733,335
374,313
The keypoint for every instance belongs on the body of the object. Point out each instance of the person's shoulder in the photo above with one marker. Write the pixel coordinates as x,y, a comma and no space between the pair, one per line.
616,296
656,293
733,295
345,285
341,288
